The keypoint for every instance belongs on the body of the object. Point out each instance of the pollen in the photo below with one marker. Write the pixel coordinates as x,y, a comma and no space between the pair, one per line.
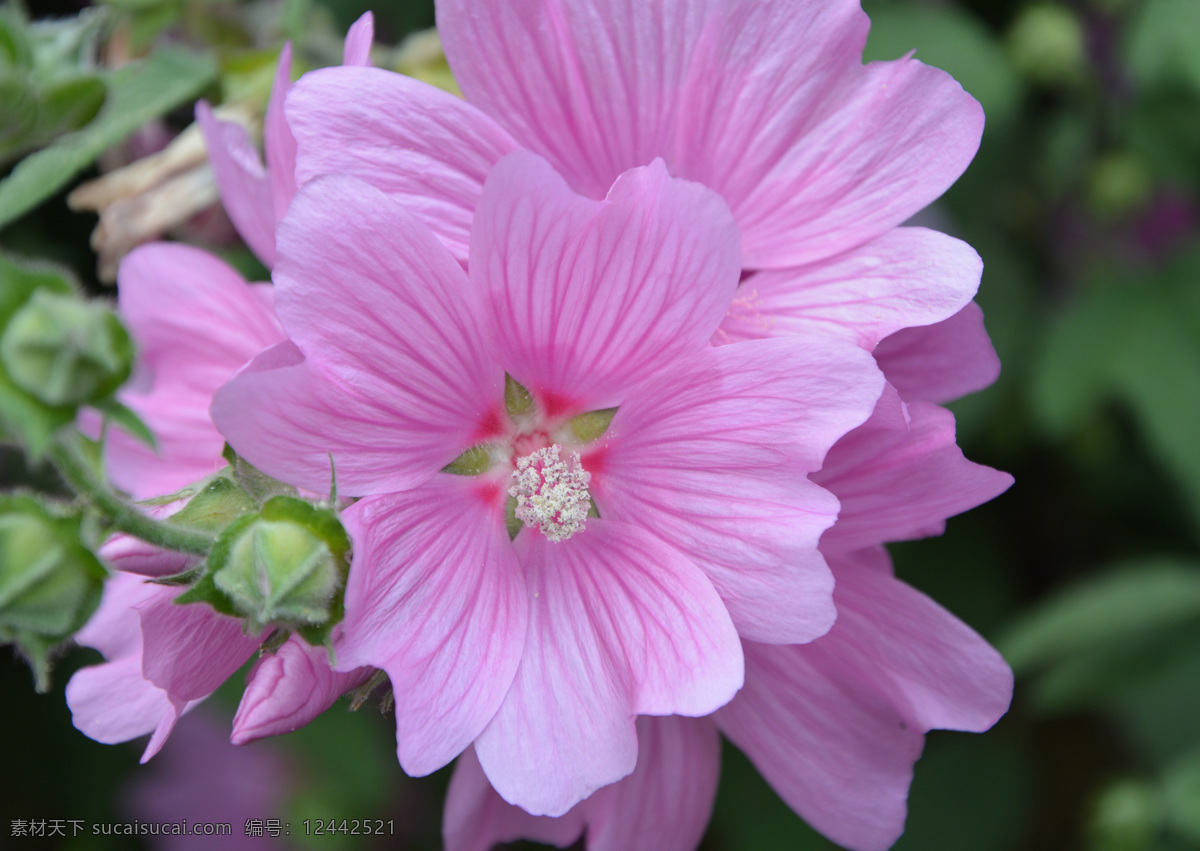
552,492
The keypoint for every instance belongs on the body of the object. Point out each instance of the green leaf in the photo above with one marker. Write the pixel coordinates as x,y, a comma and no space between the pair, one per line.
474,461
138,92
1181,788
122,416
1129,602
591,425
216,506
517,399
67,105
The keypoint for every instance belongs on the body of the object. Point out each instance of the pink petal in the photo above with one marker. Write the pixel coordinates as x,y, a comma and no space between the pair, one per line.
133,555
620,624
287,689
357,50
663,806
833,748
195,322
279,146
436,599
900,475
941,362
933,669
189,650
242,182
426,147
396,383
767,103
112,702
590,296
909,276
476,818
712,457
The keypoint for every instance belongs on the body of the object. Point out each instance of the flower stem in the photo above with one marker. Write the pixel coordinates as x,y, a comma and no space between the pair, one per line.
67,455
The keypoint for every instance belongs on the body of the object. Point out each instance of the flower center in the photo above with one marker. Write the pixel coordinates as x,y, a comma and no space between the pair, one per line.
552,492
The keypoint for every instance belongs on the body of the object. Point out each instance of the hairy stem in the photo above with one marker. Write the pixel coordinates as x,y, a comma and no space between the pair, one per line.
67,454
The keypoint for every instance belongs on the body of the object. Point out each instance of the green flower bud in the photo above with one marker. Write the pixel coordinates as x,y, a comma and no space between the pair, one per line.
63,350
285,565
1047,45
49,583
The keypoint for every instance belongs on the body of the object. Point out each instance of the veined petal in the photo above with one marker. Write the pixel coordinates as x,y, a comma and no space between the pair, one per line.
620,624
833,748
900,475
287,689
907,277
934,669
279,145
429,149
357,49
195,322
189,650
664,805
242,182
941,362
591,297
436,599
712,457
767,103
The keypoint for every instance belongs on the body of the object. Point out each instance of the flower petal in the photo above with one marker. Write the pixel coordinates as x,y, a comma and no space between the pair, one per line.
357,50
287,689
436,599
591,297
242,182
429,149
936,671
712,458
620,624
941,362
189,650
195,322
908,276
279,145
768,103
900,475
663,806
832,747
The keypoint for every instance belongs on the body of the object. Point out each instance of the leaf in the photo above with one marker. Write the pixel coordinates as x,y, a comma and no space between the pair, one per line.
474,461
138,92
122,416
1164,43
1129,602
1181,788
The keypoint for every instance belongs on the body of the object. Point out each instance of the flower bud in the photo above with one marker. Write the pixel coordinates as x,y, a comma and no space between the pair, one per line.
285,565
1047,44
63,350
49,583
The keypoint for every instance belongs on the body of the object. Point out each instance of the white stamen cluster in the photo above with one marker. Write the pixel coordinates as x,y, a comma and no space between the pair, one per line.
552,493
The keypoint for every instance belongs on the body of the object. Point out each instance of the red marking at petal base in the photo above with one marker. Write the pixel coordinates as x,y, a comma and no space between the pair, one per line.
555,405
493,424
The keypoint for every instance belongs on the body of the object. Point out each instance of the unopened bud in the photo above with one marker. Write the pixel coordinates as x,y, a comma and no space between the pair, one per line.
285,565
63,350
49,582
1047,44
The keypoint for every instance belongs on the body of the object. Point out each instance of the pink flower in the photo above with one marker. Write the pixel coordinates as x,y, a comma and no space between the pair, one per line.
195,322
255,197
540,648
768,103
835,725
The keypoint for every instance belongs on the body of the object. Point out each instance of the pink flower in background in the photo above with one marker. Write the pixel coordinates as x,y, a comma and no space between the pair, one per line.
255,197
819,157
195,322
541,648
835,725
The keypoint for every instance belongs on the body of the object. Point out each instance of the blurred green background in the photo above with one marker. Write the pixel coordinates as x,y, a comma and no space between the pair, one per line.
1084,202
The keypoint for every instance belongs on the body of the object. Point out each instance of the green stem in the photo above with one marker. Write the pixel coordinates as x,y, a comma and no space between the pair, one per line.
68,457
